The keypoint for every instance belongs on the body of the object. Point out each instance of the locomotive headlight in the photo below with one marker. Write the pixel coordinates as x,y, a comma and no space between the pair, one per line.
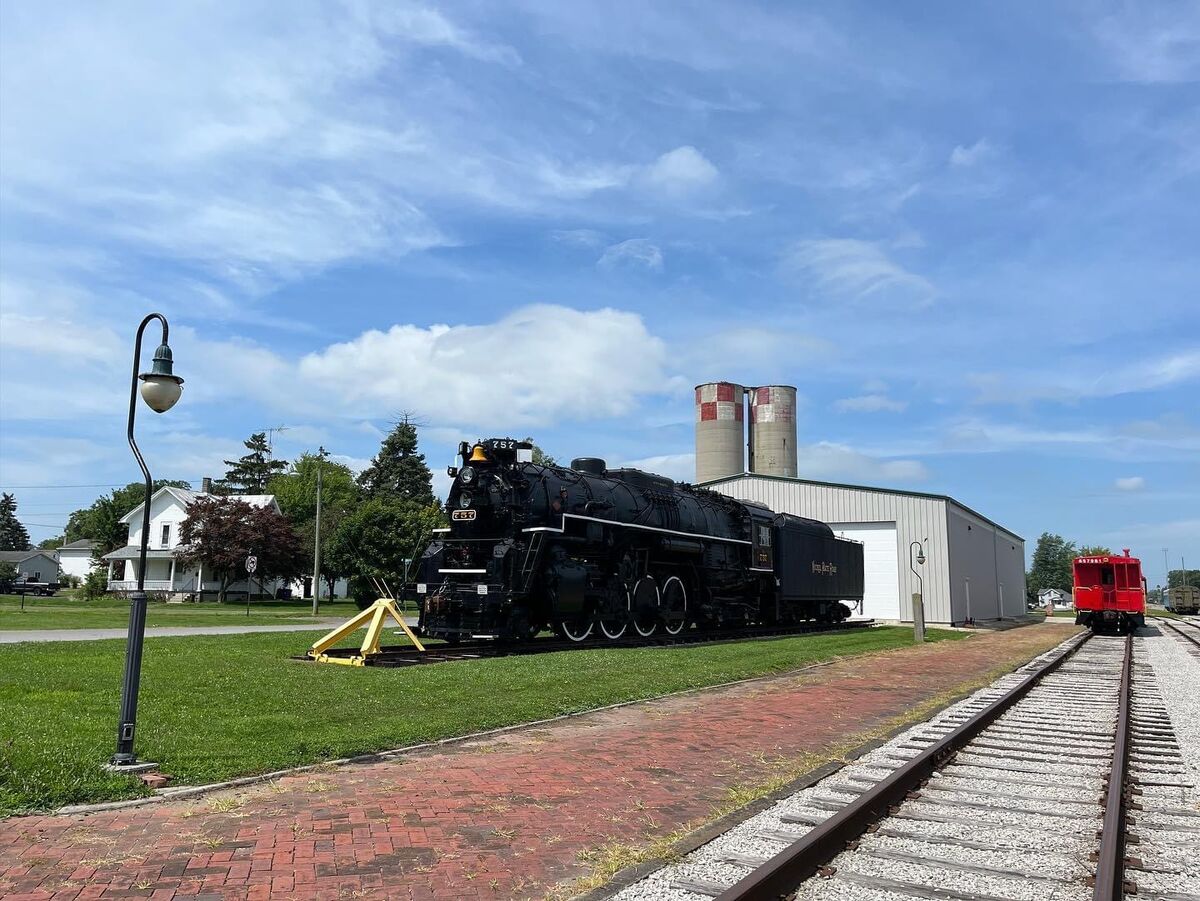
464,500
466,475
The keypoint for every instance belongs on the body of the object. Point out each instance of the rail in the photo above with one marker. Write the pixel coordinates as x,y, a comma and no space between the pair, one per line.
1110,865
780,875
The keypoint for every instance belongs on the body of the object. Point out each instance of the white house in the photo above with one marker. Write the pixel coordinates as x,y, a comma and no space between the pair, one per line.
32,566
168,510
75,559
1055,596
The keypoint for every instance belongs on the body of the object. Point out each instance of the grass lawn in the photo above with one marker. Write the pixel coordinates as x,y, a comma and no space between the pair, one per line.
66,612
213,707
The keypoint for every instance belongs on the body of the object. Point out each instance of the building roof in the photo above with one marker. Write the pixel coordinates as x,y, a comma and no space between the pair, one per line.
22,556
934,497
83,544
185,497
131,552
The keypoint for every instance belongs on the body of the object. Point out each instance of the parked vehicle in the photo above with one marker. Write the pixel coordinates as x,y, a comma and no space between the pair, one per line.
25,586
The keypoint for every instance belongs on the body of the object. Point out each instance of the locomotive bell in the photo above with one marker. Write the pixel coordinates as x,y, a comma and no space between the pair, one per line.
477,454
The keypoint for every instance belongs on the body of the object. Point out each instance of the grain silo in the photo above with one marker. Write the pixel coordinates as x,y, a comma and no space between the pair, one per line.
721,431
772,431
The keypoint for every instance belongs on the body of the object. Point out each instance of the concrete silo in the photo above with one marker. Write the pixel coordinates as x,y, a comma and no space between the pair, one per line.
773,430
720,431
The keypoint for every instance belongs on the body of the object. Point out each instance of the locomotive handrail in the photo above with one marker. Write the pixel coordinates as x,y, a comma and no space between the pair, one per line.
632,525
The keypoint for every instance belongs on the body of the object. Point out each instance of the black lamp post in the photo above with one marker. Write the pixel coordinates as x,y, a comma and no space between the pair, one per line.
919,597
160,389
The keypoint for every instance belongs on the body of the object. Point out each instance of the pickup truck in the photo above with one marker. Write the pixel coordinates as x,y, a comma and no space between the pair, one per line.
23,586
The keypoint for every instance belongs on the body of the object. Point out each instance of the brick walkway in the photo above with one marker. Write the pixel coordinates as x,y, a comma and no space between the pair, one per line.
509,817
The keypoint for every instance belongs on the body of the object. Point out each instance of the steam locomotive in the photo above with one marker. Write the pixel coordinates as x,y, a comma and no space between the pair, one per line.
592,552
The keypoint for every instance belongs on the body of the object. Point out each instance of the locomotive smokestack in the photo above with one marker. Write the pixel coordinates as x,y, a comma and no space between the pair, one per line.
720,430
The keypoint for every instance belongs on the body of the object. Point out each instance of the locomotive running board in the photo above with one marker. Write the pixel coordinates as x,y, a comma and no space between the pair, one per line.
377,614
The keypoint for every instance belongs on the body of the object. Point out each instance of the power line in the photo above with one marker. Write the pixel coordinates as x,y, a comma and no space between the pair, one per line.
39,487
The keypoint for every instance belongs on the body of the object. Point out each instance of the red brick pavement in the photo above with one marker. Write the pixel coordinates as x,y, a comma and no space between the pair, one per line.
505,817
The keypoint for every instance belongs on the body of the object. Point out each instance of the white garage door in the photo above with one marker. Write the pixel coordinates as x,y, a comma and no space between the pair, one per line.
881,594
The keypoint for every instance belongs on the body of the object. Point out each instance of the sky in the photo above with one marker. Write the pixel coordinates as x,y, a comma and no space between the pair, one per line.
967,233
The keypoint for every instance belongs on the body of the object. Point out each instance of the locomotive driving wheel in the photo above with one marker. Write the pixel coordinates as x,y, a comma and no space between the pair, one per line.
575,629
646,600
674,605
614,619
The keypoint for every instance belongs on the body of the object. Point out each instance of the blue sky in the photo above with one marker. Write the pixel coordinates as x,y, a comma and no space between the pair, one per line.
968,234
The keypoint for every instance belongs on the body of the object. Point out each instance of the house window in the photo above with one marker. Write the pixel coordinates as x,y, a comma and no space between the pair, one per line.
166,535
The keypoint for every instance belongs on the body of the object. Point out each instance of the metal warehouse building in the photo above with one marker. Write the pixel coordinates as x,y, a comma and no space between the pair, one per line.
974,568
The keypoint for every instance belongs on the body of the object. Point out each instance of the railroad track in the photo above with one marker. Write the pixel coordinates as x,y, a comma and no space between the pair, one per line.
399,656
1190,633
1021,793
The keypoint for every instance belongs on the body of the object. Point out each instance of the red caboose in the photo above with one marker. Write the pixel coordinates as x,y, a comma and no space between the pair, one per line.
1110,592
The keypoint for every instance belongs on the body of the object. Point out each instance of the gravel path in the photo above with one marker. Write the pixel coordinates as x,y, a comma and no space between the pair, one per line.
1013,817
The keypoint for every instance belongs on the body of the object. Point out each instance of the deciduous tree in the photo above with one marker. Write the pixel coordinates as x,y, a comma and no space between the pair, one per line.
376,539
221,532
1094,550
296,493
1052,559
13,535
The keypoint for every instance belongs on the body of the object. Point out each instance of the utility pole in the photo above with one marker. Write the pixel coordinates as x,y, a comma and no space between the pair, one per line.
317,546
1167,574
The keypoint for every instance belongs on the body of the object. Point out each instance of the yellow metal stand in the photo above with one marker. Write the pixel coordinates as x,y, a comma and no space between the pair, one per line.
377,614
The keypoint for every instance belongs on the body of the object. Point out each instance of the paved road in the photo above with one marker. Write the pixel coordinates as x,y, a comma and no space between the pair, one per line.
18,635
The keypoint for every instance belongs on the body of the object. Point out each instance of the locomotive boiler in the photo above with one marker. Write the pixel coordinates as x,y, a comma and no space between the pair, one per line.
595,552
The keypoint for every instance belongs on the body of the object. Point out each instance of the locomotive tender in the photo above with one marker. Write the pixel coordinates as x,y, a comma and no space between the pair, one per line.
595,551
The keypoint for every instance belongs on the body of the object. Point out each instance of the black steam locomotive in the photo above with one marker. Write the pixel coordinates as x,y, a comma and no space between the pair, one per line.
595,551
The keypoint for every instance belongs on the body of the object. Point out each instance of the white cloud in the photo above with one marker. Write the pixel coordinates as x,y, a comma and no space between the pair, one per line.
1130,483
1153,43
634,252
1069,381
538,364
680,467
828,461
854,269
969,156
578,237
871,403
681,170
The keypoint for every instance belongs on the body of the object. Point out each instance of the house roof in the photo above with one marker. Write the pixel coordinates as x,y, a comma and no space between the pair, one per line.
131,552
186,497
904,491
22,556
83,544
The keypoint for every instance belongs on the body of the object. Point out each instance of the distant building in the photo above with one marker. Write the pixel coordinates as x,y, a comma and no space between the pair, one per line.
974,568
32,566
1055,596
75,559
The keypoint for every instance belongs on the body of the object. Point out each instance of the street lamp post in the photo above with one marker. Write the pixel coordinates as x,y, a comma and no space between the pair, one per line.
160,390
918,599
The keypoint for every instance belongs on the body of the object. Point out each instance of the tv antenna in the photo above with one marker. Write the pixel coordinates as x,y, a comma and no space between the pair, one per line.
271,435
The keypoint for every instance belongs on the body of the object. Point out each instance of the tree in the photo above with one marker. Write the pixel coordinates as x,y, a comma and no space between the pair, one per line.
101,522
376,539
296,492
13,535
8,572
398,471
1179,577
1052,564
540,457
51,544
251,473
219,533
1094,550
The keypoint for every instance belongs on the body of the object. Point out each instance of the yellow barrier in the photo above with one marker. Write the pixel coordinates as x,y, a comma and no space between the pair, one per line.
377,613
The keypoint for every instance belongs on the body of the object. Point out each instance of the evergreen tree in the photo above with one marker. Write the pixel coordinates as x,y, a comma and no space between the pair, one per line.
251,473
398,472
13,535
